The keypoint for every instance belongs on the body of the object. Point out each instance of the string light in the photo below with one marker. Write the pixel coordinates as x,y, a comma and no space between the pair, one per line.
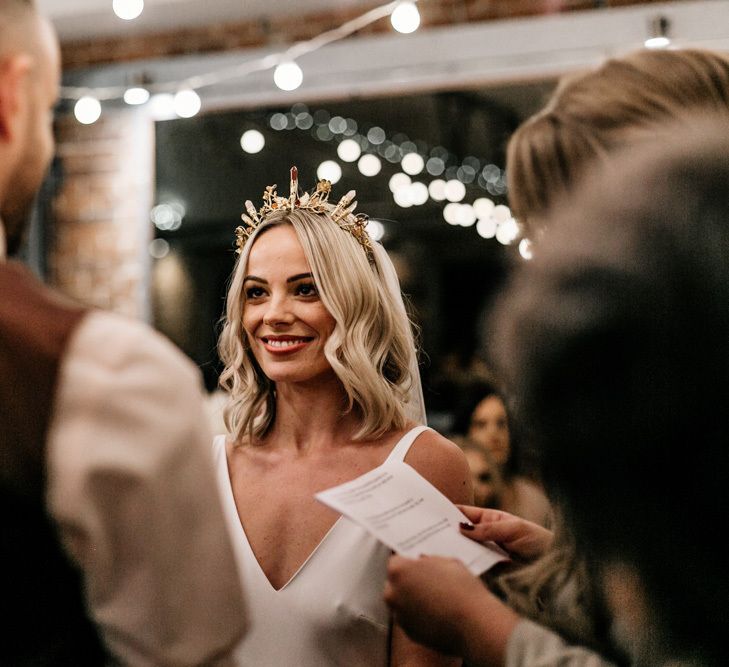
127,9
507,231
87,110
401,196
466,215
330,171
187,103
405,18
525,249
486,228
369,165
450,213
484,207
137,95
252,141
412,164
349,150
375,229
159,248
437,189
288,76
418,193
659,28
398,181
162,106
487,217
454,190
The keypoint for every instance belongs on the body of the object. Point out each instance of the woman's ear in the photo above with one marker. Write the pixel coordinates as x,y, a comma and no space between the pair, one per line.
14,74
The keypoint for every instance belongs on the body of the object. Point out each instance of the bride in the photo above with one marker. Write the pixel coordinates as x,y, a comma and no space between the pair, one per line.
321,369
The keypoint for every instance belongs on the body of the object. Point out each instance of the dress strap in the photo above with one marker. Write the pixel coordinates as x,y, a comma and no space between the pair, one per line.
401,449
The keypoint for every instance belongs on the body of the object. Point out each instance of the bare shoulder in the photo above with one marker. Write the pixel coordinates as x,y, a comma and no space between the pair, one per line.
443,464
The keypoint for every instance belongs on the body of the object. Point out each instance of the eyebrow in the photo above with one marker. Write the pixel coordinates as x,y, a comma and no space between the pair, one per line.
292,279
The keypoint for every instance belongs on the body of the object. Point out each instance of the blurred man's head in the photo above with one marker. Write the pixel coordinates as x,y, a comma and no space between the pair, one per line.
622,103
29,82
614,342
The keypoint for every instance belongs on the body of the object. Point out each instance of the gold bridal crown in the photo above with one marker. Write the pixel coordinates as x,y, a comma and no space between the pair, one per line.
318,202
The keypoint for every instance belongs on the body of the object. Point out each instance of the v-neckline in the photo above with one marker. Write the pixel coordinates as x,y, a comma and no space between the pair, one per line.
249,548
246,541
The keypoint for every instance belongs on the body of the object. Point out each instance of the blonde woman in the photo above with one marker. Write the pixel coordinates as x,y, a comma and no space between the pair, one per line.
321,368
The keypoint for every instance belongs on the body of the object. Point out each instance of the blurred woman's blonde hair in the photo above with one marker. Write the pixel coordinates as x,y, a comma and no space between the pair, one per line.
620,103
371,348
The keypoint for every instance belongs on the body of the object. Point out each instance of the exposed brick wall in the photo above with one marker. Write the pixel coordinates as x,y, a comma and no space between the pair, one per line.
286,28
101,228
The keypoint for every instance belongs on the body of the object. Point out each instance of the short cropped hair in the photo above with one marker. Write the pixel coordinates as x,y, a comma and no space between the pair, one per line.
371,348
591,114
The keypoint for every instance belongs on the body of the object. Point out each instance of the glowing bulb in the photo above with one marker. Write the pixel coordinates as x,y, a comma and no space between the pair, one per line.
127,9
507,231
525,249
486,228
135,96
87,110
329,170
398,181
484,207
405,18
252,141
349,150
375,229
455,190
369,165
162,106
168,216
288,76
501,213
418,193
187,103
402,197
437,189
450,213
412,164
466,215
159,248
657,42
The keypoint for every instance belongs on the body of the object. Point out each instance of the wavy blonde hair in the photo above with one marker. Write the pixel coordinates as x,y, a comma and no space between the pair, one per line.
371,348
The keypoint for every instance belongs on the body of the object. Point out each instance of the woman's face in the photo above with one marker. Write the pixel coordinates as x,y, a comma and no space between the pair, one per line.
490,428
284,319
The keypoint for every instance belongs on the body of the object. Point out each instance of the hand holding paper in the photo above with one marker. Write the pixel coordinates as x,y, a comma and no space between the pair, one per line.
408,514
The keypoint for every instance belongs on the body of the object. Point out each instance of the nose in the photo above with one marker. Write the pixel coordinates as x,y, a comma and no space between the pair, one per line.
278,312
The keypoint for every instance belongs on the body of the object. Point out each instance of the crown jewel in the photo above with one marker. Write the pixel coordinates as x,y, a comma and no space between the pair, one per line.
317,201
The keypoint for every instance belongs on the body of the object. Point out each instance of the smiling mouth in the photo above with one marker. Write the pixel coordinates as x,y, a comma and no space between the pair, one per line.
284,343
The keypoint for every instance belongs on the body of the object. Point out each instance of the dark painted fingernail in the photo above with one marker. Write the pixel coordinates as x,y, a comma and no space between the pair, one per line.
466,526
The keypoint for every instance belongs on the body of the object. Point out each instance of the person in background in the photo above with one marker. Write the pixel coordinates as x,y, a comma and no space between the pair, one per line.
487,483
482,416
114,546
319,395
622,104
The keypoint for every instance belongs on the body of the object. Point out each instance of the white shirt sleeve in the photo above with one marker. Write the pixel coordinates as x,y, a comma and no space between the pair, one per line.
132,488
532,645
